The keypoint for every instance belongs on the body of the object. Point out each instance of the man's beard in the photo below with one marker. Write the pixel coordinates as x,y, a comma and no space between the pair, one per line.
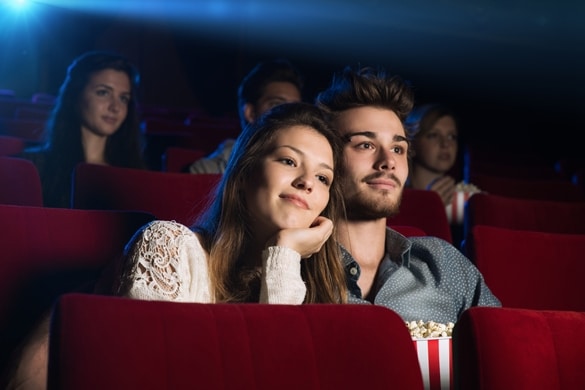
361,208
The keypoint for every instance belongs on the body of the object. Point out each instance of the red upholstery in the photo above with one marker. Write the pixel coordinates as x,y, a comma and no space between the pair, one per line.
503,348
31,130
543,189
178,159
109,342
202,134
525,214
425,210
48,251
10,146
20,183
167,195
509,162
533,270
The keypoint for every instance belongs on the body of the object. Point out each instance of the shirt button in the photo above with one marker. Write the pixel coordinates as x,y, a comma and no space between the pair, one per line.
353,271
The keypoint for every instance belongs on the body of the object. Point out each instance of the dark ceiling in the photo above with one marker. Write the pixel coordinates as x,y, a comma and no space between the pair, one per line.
505,56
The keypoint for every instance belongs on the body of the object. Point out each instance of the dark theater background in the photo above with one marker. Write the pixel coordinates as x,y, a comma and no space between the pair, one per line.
513,70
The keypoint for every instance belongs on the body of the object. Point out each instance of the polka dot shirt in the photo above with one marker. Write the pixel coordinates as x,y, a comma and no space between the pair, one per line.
422,278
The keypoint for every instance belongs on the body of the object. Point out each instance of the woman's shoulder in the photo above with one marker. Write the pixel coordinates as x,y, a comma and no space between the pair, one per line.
159,228
163,236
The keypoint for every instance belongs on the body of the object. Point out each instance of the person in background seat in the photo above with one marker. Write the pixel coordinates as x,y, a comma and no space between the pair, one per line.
268,84
95,120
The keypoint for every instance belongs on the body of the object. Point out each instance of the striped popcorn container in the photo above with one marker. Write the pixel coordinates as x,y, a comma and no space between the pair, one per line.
455,210
435,356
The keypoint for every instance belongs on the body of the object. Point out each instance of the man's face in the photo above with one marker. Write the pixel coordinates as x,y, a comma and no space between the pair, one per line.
275,93
375,162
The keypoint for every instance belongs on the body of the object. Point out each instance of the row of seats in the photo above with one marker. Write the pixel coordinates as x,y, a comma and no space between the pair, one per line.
51,251
525,291
171,195
122,343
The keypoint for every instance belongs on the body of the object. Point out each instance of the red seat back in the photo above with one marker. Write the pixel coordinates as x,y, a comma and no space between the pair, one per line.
20,183
533,270
504,348
525,214
102,342
178,159
425,210
11,146
542,189
49,251
167,195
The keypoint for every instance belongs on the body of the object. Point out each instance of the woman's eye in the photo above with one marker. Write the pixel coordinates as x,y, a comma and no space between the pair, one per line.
288,161
101,92
323,179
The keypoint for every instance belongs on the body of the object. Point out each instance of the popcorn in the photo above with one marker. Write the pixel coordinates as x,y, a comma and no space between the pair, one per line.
422,330
466,187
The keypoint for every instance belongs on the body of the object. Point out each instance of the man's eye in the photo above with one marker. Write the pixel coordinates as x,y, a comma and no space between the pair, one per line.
365,145
398,149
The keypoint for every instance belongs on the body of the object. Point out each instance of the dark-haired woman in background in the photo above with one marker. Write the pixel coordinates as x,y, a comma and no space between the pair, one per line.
95,120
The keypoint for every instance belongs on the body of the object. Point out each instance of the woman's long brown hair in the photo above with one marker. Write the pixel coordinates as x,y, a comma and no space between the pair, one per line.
224,227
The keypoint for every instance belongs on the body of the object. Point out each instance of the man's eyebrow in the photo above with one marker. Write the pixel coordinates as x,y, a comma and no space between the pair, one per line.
400,138
372,135
367,134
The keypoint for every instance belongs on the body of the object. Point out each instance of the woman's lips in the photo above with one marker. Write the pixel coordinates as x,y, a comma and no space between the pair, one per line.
297,200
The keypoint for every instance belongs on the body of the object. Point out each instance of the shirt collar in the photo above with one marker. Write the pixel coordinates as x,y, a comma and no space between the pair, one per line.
397,248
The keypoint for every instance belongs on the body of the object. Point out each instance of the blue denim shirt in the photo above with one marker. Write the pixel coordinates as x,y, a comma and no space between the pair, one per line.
422,278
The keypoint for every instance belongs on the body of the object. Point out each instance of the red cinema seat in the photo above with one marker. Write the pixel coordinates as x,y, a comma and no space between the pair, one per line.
505,348
100,342
425,210
167,195
532,270
49,251
20,183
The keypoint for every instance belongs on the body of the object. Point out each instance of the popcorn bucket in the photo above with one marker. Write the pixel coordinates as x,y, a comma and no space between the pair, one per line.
435,356
455,211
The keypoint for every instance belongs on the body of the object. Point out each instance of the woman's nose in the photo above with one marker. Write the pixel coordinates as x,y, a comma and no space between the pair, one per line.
304,182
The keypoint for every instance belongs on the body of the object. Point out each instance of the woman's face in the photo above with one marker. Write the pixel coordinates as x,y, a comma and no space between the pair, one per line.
104,102
291,188
437,148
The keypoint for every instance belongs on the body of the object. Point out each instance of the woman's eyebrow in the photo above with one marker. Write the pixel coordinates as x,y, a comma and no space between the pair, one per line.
297,150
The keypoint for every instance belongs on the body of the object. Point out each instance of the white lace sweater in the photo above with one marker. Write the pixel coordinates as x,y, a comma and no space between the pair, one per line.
169,264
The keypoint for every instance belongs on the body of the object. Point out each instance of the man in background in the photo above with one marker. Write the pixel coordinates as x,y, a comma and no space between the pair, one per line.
267,85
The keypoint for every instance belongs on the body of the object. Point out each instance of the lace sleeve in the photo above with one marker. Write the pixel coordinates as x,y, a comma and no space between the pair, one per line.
165,261
281,276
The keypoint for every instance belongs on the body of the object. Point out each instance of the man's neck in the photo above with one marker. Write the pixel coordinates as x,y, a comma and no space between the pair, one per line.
365,240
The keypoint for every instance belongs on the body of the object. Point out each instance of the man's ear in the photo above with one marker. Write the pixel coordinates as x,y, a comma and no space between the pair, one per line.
249,113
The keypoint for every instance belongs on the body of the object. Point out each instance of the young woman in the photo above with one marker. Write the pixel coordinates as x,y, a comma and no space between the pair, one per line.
266,236
274,205
94,120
